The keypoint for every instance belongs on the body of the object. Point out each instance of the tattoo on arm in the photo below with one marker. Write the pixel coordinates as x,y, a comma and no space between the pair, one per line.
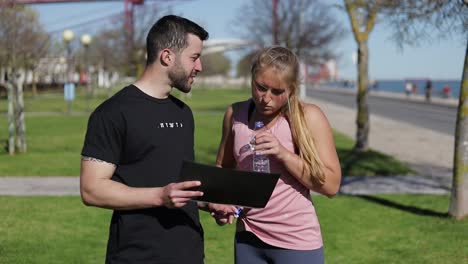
97,160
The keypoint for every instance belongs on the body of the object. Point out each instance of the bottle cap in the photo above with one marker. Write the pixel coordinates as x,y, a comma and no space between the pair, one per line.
259,124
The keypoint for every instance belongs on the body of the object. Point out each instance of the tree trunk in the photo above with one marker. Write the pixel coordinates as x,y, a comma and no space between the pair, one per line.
362,119
34,84
20,121
459,196
11,118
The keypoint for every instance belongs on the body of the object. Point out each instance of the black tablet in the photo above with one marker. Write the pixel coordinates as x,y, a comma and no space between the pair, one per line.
229,186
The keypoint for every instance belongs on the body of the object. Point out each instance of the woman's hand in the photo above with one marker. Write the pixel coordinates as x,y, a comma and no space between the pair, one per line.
268,144
222,213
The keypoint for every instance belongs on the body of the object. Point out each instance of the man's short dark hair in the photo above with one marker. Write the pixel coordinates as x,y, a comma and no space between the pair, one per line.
170,32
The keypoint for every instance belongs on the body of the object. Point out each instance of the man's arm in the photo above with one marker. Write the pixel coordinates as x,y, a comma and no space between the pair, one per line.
97,189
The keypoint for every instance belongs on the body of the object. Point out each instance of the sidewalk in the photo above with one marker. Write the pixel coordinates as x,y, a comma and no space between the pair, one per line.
428,152
64,186
47,186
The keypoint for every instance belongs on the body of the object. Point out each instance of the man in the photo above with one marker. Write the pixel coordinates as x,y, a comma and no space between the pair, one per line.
133,151
428,90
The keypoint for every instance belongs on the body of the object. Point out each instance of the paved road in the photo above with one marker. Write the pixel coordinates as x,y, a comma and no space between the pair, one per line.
436,117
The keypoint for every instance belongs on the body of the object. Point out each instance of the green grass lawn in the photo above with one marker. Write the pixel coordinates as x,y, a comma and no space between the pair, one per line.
55,139
356,229
53,101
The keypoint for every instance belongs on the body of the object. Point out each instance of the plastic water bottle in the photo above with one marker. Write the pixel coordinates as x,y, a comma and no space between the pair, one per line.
260,163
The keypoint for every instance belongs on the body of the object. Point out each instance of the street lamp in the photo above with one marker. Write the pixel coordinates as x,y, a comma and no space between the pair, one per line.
69,88
85,41
68,36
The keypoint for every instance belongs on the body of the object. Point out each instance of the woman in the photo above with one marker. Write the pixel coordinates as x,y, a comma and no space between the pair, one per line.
298,140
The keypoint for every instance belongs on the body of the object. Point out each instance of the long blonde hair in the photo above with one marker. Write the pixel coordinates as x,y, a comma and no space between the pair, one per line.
287,64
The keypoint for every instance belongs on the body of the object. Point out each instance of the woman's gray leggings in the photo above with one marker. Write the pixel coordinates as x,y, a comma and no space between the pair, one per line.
251,250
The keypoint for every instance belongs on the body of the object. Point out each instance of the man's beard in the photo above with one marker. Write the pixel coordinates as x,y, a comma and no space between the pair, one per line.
180,79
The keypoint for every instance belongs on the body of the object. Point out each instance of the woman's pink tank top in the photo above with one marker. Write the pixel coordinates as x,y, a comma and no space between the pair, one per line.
289,219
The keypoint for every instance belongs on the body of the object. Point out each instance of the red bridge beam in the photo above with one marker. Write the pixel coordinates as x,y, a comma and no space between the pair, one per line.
27,2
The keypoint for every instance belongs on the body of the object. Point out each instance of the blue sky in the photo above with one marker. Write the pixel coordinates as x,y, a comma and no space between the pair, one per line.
442,59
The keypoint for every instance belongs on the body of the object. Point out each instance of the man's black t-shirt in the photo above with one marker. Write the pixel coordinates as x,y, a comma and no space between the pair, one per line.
147,138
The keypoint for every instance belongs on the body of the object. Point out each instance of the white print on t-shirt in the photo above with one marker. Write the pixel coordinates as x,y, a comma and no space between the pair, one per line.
170,125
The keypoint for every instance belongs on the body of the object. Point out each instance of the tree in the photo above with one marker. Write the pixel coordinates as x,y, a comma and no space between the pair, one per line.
244,64
307,27
23,41
114,49
108,49
144,18
413,22
215,64
362,16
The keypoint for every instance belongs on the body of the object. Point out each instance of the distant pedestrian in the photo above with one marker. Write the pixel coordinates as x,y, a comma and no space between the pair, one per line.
415,88
428,90
346,83
408,88
372,85
447,91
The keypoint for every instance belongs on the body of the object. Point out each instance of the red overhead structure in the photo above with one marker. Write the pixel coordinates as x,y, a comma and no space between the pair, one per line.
129,19
27,2
128,8
275,22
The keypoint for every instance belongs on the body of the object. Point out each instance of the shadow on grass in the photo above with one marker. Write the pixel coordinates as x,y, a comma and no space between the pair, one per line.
402,207
370,163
